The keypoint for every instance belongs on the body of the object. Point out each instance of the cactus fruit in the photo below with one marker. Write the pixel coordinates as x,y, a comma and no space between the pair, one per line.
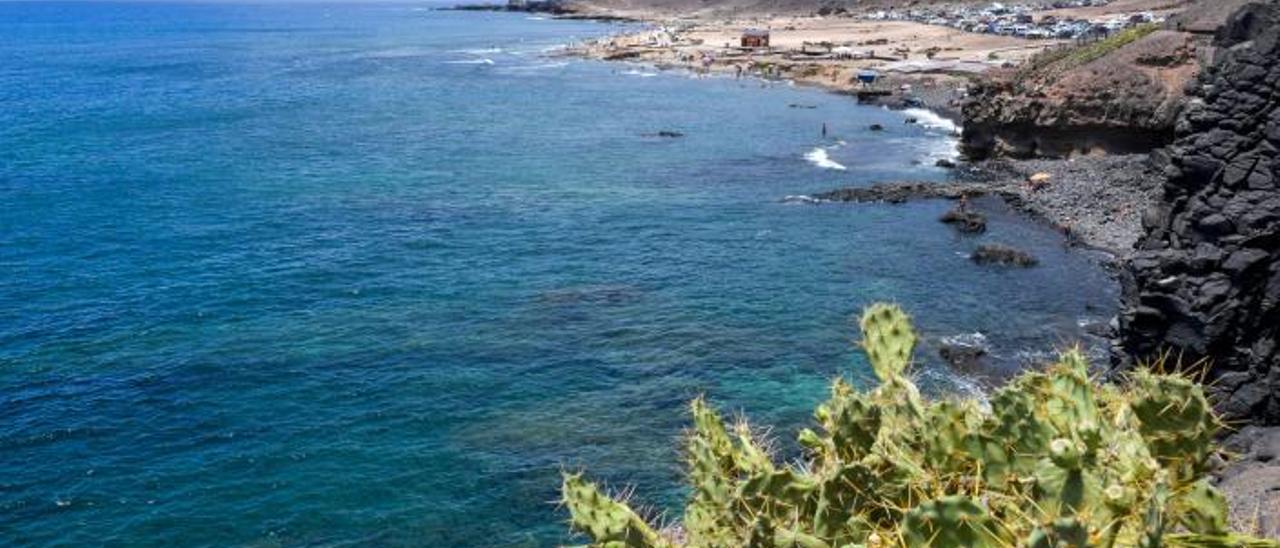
1054,461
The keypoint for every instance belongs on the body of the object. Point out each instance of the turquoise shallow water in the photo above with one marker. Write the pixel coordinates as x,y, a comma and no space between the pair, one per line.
372,274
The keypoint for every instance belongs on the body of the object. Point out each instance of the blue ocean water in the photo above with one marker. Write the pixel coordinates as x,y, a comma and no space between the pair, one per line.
325,274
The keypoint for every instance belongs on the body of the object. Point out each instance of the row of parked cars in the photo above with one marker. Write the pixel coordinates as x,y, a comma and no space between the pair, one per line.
1018,20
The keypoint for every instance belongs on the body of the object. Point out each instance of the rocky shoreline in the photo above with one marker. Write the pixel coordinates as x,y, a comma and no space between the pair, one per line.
1251,480
1206,278
1096,202
1103,201
1190,233
911,69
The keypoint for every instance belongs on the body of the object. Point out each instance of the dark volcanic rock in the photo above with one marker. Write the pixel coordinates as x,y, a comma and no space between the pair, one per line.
897,193
622,55
1206,277
666,134
965,220
1003,255
963,357
554,7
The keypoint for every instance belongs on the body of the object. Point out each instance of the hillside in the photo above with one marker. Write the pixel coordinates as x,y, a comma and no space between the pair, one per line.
646,9
710,8
1122,94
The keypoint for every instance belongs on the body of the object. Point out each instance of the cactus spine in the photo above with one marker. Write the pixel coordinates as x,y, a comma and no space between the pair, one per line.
609,522
1056,460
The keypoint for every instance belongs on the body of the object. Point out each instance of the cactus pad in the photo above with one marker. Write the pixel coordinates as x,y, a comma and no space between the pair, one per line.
888,338
1054,461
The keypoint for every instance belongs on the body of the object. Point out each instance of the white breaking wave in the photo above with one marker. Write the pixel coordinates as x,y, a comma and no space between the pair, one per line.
972,388
640,73
972,340
485,61
931,120
398,53
479,51
819,157
946,149
533,68
958,384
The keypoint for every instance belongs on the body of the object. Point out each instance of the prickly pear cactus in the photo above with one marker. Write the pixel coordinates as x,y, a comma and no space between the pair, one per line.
888,338
1177,422
951,522
607,521
1054,460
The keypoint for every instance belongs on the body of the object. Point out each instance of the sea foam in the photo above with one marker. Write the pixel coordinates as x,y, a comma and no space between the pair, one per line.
819,157
930,119
479,51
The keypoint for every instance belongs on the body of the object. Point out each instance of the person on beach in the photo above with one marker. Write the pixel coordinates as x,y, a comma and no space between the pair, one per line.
824,130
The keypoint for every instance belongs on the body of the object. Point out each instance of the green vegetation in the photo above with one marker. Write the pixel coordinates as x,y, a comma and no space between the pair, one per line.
1051,63
1054,459
1097,50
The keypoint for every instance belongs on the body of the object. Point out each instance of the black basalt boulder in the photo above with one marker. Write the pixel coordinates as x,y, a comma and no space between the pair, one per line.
966,221
997,254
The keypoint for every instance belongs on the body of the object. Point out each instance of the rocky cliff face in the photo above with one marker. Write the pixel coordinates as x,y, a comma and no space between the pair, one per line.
1121,95
1205,279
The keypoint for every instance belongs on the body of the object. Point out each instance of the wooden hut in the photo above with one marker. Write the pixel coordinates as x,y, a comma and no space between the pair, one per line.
755,38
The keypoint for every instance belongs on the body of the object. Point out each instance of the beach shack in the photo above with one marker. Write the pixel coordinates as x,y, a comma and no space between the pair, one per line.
867,77
755,38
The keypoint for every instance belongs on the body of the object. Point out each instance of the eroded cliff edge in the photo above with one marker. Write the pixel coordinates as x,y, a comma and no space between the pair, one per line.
1205,278
1118,95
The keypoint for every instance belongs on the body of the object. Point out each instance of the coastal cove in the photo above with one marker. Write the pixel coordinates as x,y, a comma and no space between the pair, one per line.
373,274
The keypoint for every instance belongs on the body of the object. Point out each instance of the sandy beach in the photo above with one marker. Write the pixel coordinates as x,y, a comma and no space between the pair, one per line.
917,65
929,65
933,62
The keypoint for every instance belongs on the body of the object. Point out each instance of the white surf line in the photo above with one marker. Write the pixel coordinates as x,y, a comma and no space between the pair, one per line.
819,157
